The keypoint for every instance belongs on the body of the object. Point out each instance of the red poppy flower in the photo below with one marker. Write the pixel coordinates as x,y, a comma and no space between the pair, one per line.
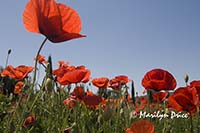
63,64
18,87
56,21
123,79
71,102
78,92
143,100
41,59
75,76
160,96
29,121
66,74
100,82
141,126
62,69
196,84
89,93
116,82
18,73
184,99
159,79
92,101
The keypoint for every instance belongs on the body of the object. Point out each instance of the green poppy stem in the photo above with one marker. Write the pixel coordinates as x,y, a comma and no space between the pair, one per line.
191,124
34,76
14,112
164,130
35,100
198,119
35,71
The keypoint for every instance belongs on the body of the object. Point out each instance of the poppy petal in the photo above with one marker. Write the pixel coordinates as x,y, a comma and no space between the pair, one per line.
70,19
71,25
56,21
76,76
142,126
30,17
64,36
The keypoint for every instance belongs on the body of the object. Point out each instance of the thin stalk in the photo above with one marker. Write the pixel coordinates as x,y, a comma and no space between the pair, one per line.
36,98
198,119
165,120
191,124
14,112
35,71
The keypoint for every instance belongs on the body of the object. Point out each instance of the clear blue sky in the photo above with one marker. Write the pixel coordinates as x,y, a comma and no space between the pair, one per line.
127,37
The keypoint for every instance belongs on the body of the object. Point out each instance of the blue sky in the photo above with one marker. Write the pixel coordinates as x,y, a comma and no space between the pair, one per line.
128,37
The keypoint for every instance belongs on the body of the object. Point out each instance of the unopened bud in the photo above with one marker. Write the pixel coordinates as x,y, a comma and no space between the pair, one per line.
186,78
9,51
49,85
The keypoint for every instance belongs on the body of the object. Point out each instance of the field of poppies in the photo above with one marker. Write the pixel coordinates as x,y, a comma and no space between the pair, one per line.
64,101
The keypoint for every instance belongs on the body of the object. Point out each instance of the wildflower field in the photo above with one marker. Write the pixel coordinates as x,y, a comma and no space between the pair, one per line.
64,101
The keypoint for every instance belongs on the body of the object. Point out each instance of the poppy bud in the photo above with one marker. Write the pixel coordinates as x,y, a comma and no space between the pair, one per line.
29,121
67,130
186,78
121,111
133,114
49,85
100,119
9,51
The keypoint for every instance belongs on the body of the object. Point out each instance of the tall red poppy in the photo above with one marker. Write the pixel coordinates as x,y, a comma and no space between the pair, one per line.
56,21
159,79
100,82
